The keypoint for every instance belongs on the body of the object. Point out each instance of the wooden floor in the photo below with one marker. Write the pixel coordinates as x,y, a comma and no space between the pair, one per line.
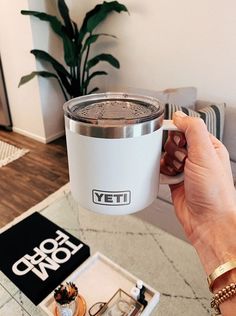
31,178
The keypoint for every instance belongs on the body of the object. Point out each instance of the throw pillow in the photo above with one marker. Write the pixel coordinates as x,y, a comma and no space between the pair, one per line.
212,115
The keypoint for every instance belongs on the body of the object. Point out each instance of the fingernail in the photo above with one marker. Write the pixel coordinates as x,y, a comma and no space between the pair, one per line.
177,164
180,114
176,140
180,155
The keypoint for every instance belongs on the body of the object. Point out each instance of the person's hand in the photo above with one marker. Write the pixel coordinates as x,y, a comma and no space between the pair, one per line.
205,203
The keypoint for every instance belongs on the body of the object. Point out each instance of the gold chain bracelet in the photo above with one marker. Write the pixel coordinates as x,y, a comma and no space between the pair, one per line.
222,295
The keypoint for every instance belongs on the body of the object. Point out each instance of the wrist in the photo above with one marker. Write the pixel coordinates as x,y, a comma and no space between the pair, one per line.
224,280
214,243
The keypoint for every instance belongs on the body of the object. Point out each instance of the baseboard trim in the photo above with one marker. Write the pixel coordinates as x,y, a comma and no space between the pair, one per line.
55,136
40,139
29,134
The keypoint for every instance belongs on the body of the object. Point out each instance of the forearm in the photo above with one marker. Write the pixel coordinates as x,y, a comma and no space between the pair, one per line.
216,246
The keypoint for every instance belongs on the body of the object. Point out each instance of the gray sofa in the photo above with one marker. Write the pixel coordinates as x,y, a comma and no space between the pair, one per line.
161,212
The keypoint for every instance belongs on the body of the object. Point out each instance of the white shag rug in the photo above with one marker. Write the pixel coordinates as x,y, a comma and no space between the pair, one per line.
8,153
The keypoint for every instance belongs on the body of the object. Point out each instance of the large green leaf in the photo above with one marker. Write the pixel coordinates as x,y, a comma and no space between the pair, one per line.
77,42
30,76
44,74
90,77
94,17
55,24
62,73
40,54
70,50
93,90
66,83
64,11
103,57
93,38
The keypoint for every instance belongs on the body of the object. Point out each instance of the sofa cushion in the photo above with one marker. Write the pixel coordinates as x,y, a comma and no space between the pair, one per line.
185,96
164,193
233,168
229,138
212,115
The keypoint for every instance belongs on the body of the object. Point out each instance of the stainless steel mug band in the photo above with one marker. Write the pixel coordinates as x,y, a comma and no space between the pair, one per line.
124,131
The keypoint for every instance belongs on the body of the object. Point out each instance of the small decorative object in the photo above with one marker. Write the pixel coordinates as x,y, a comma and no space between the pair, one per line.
121,304
142,290
65,296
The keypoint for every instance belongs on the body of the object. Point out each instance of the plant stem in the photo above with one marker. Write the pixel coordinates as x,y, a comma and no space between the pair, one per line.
78,77
72,72
62,89
84,67
86,88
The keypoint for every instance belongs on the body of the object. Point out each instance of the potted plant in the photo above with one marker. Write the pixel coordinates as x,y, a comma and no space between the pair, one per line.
75,76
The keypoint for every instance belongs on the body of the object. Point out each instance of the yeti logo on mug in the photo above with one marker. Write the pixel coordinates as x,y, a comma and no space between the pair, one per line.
112,198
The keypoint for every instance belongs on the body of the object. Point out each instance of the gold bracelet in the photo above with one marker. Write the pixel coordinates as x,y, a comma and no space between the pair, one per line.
222,269
222,295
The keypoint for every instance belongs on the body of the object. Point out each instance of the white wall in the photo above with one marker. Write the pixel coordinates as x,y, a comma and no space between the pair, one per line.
161,44
36,107
52,99
15,43
167,43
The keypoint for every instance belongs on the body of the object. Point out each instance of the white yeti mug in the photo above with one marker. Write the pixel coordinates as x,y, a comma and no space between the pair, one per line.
114,143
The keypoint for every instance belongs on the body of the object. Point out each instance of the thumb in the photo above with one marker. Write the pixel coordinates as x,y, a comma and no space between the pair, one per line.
196,134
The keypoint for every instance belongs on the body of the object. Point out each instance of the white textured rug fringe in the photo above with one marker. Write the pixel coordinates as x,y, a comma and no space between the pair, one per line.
9,153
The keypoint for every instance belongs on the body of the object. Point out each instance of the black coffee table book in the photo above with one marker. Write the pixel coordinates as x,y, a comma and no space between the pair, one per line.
37,255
